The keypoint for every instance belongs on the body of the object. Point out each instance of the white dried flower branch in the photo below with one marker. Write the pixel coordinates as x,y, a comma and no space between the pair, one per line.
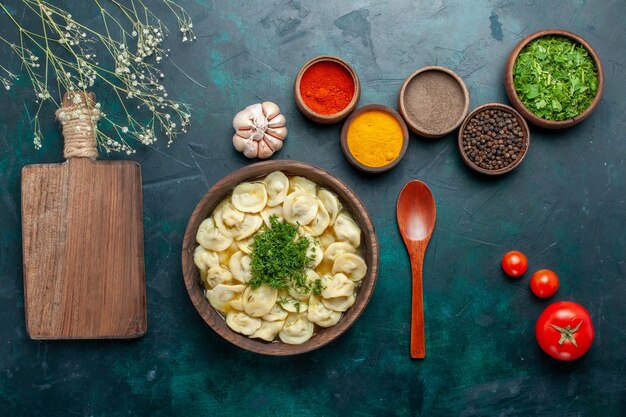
59,55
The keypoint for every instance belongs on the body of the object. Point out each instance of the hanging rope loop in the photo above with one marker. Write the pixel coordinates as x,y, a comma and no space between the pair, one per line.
78,116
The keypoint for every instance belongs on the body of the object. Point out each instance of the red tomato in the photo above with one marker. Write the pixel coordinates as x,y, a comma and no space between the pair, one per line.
564,330
514,263
544,283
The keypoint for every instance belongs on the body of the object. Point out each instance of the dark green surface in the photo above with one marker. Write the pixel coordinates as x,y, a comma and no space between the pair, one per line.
564,207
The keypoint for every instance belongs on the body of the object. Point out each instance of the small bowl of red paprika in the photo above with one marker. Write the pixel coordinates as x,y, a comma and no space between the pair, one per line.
327,89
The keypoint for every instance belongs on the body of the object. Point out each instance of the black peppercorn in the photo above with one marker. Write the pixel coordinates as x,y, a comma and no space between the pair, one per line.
493,139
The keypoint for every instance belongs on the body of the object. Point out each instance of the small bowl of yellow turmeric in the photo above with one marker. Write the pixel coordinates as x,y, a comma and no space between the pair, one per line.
374,138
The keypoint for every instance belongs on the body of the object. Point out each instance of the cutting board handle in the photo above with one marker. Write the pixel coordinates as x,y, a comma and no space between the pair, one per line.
79,116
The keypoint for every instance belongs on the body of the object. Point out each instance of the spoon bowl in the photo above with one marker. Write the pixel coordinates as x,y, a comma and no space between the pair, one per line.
416,212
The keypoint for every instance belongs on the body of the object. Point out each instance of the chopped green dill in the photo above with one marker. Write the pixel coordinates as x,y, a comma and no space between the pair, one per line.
555,77
279,257
317,287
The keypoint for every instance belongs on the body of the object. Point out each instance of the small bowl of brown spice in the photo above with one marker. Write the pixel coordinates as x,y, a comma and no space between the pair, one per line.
433,101
493,139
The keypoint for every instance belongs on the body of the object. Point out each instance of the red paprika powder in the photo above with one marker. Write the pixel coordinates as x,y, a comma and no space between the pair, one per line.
327,87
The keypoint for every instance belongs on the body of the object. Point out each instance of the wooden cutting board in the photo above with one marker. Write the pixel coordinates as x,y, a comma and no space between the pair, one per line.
82,231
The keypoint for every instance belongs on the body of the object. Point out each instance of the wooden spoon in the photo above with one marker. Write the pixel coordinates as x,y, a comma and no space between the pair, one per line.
416,212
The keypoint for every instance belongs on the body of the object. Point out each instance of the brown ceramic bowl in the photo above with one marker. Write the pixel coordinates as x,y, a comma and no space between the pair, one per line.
456,85
326,118
344,138
220,190
517,103
520,120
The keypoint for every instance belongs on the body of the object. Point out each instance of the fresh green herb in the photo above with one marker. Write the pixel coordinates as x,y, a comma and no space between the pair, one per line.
555,77
279,257
317,287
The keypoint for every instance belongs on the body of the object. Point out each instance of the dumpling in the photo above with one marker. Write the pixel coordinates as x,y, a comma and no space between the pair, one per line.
347,230
338,285
240,265
325,268
250,224
276,314
302,295
269,211
268,330
326,239
300,208
292,305
277,185
242,323
314,252
338,248
350,264
339,303
217,275
301,184
312,277
320,315
297,295
250,197
210,237
331,203
227,218
320,221
259,301
237,303
205,259
220,296
244,244
296,330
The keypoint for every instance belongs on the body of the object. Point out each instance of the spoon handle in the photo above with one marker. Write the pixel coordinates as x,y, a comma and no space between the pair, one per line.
418,337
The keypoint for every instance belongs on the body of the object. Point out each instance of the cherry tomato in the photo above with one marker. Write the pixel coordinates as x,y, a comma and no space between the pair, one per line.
544,283
564,330
514,263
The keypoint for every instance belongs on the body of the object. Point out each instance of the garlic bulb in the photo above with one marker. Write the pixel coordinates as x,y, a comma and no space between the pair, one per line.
259,130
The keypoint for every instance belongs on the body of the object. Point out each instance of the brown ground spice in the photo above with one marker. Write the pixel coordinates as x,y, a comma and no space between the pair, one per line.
434,101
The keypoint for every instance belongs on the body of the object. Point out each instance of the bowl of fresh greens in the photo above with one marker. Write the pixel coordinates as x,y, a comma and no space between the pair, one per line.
554,78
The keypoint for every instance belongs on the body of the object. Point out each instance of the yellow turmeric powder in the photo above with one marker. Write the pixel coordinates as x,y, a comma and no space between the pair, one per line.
375,138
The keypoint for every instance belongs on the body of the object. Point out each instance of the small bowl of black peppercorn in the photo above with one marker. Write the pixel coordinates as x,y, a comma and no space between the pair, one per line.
493,139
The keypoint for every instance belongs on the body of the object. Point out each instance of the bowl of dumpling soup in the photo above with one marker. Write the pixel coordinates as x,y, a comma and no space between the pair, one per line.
280,257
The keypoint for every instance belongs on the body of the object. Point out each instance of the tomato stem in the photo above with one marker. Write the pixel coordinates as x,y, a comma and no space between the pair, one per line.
567,333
